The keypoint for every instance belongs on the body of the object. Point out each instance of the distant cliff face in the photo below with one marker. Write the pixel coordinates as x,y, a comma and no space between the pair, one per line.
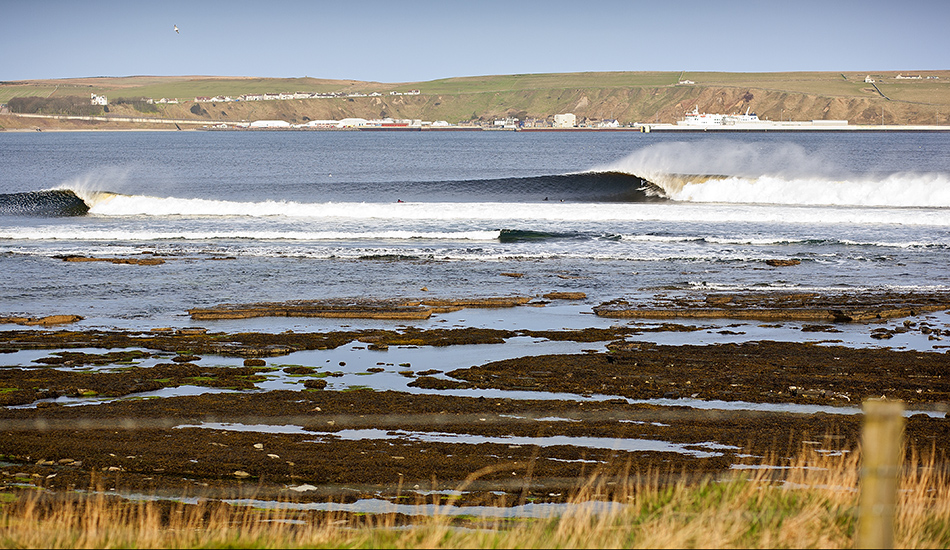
662,104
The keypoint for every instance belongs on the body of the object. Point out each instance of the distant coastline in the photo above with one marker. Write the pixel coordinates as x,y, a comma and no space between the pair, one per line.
142,124
882,100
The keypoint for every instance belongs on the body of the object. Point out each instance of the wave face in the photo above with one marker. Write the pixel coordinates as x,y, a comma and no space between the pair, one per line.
586,186
591,186
569,197
856,200
52,203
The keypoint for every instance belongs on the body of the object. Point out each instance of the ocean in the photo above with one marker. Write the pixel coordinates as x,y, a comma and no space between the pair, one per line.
242,217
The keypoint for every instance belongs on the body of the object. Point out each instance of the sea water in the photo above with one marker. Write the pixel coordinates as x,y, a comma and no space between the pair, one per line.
243,217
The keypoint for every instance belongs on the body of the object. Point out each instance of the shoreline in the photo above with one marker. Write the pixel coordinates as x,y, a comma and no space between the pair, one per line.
212,125
848,129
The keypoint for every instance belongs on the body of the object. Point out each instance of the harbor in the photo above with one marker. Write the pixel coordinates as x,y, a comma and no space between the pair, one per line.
695,121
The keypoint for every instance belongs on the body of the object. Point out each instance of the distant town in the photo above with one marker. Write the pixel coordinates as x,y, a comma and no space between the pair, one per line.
692,121
560,121
563,120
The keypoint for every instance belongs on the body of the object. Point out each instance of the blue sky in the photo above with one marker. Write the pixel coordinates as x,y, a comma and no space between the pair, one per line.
408,41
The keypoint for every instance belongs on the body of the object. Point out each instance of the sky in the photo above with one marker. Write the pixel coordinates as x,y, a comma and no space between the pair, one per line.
396,41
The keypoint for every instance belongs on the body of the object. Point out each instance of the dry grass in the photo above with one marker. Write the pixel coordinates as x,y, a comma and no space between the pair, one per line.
809,502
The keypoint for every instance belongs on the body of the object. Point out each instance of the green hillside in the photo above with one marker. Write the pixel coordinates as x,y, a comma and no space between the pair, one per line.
625,96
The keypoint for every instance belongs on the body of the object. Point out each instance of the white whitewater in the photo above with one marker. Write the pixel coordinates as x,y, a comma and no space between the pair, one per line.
732,172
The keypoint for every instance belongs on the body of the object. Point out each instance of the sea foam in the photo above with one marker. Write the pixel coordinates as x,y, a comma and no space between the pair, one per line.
702,206
732,172
895,190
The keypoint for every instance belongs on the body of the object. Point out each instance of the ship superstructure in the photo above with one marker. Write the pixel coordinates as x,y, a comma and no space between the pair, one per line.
695,118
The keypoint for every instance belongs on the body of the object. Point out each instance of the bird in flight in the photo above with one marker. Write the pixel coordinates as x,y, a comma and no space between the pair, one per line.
176,30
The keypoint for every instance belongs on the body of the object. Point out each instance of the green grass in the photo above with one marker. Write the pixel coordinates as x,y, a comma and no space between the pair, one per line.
626,96
829,84
186,88
7,92
553,81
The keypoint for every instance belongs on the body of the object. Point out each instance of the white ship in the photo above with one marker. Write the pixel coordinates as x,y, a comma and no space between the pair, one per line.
695,118
694,121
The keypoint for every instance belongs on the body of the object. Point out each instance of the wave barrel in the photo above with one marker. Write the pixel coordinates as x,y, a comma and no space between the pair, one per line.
52,203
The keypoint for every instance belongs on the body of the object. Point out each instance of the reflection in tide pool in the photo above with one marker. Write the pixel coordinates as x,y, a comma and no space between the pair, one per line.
375,434
380,506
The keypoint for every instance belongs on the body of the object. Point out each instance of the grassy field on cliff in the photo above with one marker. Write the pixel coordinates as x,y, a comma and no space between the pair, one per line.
625,96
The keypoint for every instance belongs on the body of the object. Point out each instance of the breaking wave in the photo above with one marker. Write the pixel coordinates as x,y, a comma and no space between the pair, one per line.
616,195
906,190
733,172
894,190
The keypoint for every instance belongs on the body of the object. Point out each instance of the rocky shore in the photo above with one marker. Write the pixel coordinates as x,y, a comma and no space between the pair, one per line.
88,411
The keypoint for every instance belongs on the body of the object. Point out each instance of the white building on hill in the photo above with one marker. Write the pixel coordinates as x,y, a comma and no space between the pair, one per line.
567,120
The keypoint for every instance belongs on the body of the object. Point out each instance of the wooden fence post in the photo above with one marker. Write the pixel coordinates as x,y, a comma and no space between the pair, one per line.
881,447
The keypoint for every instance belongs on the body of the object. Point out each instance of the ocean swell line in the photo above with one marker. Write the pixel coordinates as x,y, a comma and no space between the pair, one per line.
89,235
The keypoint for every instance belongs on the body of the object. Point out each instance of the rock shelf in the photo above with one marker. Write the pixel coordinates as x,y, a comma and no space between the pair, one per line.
119,261
414,309
835,308
48,320
636,407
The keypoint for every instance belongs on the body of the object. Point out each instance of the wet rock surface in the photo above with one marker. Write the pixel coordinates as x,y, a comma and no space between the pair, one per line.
48,320
23,386
841,308
153,445
759,372
317,443
118,261
259,344
359,309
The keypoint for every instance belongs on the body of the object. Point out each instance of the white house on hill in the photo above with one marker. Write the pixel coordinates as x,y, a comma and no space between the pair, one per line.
567,120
